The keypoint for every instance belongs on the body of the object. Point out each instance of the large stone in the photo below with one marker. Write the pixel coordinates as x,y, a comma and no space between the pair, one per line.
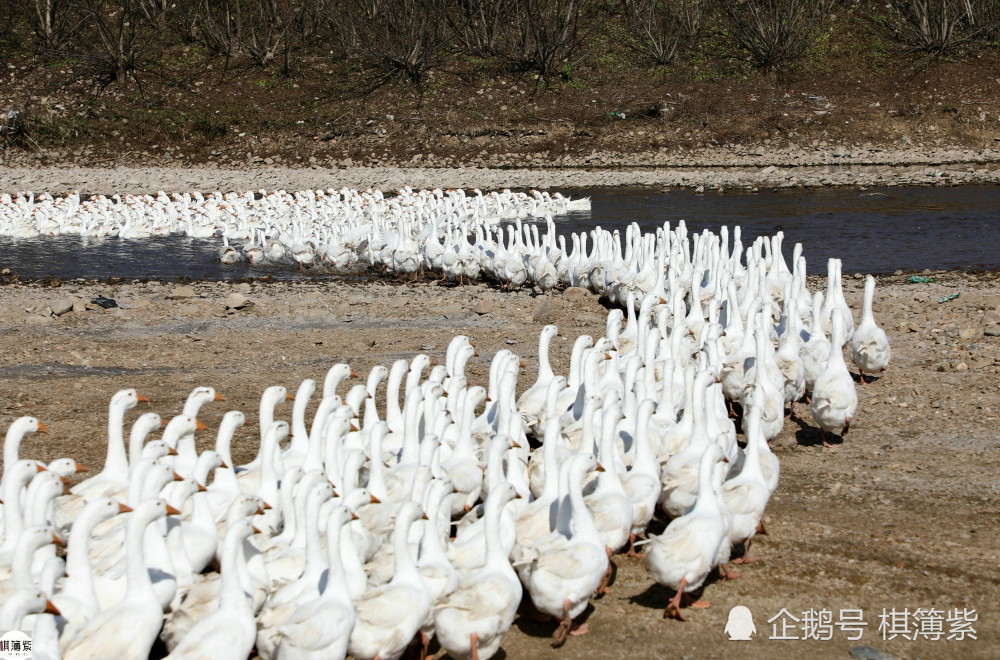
61,306
237,301
991,317
181,293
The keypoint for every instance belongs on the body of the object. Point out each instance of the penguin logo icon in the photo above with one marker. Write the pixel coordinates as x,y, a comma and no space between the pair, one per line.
740,627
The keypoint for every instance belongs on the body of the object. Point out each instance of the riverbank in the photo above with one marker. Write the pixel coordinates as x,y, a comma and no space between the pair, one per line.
706,169
903,514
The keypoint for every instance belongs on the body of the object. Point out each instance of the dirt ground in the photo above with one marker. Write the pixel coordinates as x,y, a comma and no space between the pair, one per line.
903,514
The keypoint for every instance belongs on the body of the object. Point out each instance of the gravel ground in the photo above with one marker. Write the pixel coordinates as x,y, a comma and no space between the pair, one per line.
903,514
708,168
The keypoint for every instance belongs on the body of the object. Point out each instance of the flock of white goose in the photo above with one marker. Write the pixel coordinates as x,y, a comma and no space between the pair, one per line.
406,232
420,505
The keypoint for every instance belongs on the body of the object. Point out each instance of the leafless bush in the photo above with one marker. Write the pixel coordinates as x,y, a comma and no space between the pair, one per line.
543,35
661,26
265,28
55,22
120,41
219,24
940,27
479,25
155,11
399,37
775,32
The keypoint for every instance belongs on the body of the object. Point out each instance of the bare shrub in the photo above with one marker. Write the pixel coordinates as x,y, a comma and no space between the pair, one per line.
543,35
120,41
219,24
661,26
55,22
940,27
775,32
264,34
398,37
479,25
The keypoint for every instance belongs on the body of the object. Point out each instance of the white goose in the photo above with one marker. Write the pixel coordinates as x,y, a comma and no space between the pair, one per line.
230,630
320,629
682,557
471,622
562,570
869,343
834,398
127,631
388,617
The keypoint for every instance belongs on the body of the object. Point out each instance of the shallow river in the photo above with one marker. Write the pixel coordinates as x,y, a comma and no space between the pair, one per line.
872,231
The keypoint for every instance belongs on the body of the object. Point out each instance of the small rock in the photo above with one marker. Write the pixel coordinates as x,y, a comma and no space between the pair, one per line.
237,301
547,311
991,317
992,330
967,333
483,307
104,303
577,294
869,653
895,272
5,272
961,366
699,190
79,306
61,306
243,287
181,293
992,302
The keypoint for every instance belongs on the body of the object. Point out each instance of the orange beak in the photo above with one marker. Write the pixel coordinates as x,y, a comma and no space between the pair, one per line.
178,477
219,397
354,374
42,428
171,511
255,530
374,500
289,397
124,508
141,399
171,451
200,425
80,467
58,541
50,608
222,464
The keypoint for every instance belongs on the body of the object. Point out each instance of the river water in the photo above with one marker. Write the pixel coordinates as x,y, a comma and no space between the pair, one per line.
872,231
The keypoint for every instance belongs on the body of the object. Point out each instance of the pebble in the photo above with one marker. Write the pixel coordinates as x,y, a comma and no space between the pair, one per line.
869,653
992,330
181,293
237,301
991,317
483,307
